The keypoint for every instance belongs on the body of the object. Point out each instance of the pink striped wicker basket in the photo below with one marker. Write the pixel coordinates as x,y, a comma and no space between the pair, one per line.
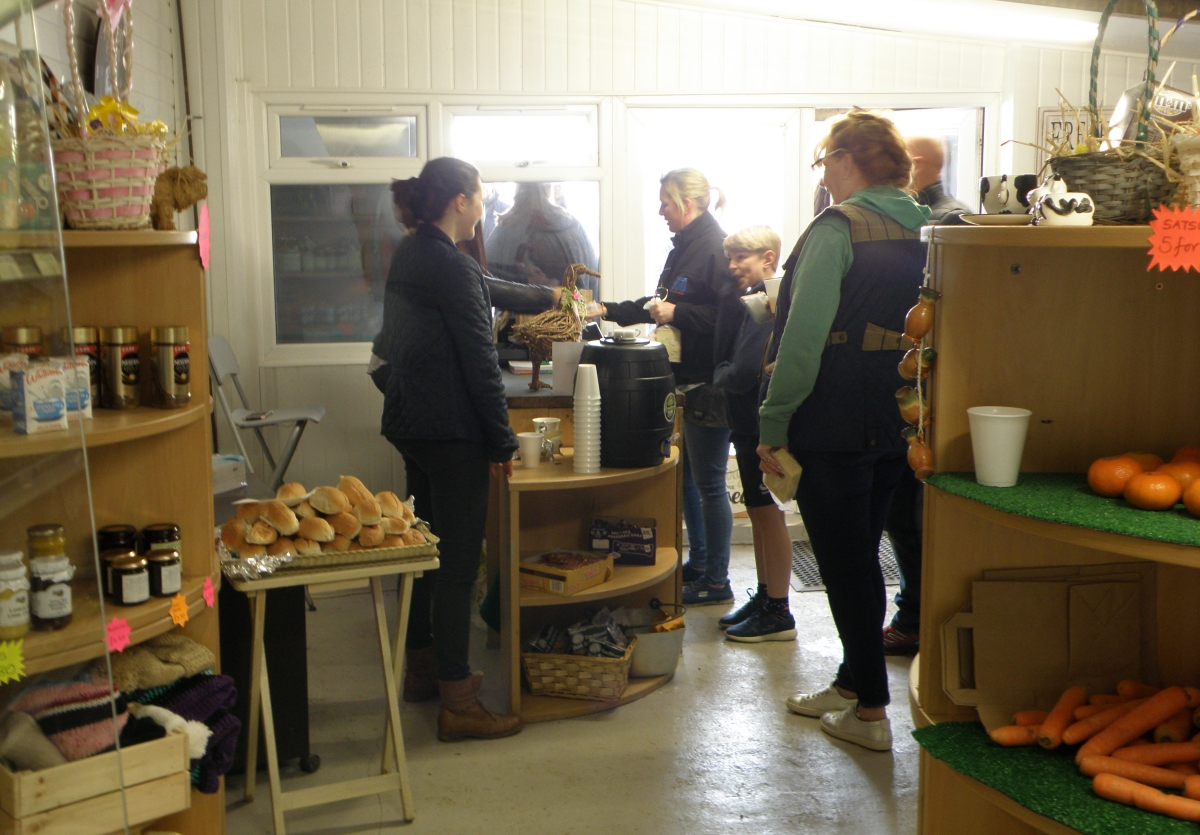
107,182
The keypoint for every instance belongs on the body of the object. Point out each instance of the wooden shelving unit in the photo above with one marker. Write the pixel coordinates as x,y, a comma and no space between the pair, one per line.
107,427
1069,324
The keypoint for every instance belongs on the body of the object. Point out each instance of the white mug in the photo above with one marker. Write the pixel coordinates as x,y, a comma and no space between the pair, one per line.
1005,194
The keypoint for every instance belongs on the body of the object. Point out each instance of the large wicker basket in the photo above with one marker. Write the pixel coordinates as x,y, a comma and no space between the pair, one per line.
1125,186
578,676
108,182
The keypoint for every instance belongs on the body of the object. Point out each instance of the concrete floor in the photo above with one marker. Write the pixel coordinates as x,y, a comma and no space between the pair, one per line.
713,751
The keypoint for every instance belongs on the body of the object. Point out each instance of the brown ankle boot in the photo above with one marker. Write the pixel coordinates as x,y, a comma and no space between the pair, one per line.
420,675
463,715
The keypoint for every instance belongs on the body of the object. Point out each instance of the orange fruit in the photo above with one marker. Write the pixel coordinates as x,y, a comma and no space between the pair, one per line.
1152,491
1107,476
1149,461
1191,498
1186,452
1184,470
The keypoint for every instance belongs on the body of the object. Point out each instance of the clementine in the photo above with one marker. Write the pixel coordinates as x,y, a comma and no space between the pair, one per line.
1183,470
1191,498
1185,452
1149,461
1107,476
1152,491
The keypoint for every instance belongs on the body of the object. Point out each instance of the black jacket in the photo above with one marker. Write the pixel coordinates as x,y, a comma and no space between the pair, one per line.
445,379
946,211
739,348
696,276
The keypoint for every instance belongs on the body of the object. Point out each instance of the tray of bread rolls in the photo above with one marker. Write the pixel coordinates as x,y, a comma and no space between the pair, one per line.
328,526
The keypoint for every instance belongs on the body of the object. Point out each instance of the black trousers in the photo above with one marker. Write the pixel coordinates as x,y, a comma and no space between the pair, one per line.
844,499
449,481
903,526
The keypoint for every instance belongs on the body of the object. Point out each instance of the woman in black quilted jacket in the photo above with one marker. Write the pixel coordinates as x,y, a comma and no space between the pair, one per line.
444,409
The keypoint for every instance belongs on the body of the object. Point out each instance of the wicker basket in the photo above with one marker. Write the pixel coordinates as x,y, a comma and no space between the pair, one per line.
1187,148
578,676
330,559
1125,187
108,182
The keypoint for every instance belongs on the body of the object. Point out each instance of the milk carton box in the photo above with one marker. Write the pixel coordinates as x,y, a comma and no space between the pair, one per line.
79,389
7,363
39,398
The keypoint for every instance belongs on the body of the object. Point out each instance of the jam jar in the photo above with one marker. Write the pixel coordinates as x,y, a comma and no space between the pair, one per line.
50,592
130,581
117,536
46,541
107,558
163,536
166,572
14,596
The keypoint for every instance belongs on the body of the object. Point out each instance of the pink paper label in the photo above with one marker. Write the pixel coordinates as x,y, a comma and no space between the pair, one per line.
118,633
203,235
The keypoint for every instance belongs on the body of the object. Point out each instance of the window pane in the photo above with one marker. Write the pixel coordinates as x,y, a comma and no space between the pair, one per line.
524,138
332,248
348,136
534,231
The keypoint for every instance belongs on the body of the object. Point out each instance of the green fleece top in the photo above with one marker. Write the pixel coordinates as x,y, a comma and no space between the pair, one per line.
816,293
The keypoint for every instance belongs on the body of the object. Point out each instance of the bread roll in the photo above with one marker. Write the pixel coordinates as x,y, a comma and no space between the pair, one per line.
339,543
367,511
389,504
371,536
392,541
233,534
304,510
346,524
392,525
413,537
291,490
262,534
249,550
306,547
407,513
354,546
280,517
249,513
281,546
329,500
316,529
354,489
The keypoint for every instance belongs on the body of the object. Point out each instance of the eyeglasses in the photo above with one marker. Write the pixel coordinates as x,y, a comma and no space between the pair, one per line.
824,157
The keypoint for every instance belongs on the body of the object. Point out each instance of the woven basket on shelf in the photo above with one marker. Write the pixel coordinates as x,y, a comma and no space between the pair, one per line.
1187,148
578,676
108,182
1125,187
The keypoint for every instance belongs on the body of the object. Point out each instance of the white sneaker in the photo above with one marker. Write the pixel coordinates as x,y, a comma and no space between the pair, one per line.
845,724
819,703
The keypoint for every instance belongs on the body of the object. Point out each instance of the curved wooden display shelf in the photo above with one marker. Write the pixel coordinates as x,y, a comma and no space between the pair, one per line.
561,475
107,427
83,638
946,786
1113,543
625,579
1089,237
132,237
547,708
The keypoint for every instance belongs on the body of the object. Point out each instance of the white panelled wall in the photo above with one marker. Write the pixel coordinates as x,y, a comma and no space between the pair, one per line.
618,53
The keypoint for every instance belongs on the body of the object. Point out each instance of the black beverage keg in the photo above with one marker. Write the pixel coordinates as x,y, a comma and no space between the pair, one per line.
637,401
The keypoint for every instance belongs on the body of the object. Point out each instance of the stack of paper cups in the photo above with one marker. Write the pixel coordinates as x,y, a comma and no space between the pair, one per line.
587,419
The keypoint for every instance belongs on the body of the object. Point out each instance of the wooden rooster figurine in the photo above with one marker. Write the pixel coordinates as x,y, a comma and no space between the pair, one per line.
563,324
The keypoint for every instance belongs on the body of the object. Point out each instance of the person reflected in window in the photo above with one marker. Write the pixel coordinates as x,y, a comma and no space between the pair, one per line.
535,241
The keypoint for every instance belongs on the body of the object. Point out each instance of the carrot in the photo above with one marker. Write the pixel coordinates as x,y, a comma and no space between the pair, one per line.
1175,729
1141,740
1135,689
1160,753
1144,717
1193,694
1186,769
1050,736
1013,736
1147,774
1131,793
1030,717
1106,699
1085,729
1084,711
1191,787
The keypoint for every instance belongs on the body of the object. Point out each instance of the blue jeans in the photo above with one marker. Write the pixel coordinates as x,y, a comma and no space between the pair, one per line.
706,505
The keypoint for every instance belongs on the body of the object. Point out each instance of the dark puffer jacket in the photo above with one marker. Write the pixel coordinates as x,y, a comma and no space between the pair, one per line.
445,379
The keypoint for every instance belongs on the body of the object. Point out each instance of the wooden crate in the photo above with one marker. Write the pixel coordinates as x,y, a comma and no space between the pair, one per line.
84,797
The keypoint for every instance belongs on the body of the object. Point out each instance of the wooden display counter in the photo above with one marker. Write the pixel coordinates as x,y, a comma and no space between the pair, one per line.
1069,324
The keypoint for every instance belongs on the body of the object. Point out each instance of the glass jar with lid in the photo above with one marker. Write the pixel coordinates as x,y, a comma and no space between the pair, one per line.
130,580
166,572
50,592
46,541
162,536
25,340
171,366
14,596
107,558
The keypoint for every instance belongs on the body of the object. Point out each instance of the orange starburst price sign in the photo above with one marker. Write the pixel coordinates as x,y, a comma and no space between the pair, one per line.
1175,239
179,610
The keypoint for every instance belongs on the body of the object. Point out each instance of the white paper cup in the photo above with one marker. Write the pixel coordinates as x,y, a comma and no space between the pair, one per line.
757,305
547,425
531,448
772,287
587,384
998,441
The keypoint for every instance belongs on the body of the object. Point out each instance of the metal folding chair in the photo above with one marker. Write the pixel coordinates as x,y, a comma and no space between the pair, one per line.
223,365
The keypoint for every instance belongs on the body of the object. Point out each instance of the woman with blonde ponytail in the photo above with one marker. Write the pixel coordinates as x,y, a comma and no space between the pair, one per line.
694,280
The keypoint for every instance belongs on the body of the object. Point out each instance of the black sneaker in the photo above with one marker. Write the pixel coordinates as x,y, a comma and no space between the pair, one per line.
763,625
757,601
701,593
691,574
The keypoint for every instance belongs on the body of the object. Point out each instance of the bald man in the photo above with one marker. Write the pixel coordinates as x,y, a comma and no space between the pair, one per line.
929,155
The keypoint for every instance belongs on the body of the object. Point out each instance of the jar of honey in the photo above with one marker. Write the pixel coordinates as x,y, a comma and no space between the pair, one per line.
46,541
14,596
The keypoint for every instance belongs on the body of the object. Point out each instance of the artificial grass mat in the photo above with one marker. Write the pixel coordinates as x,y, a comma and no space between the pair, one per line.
1065,498
1046,782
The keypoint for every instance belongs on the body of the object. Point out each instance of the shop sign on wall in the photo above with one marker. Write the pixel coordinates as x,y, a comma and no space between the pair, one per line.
1057,128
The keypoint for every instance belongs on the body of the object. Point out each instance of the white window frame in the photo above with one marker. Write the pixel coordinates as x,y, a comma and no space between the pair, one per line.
531,171
279,162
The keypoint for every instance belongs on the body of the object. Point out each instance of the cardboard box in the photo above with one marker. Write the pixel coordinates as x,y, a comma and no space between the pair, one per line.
39,398
564,581
78,373
8,362
630,539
